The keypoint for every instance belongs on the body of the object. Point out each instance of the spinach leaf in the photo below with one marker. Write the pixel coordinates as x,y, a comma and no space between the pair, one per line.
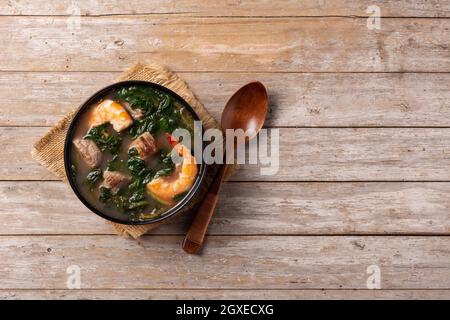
141,97
104,140
136,166
73,171
163,172
115,164
114,199
132,200
105,194
164,104
167,167
141,176
93,177
132,152
129,202
138,204
166,164
161,112
180,196
147,124
152,215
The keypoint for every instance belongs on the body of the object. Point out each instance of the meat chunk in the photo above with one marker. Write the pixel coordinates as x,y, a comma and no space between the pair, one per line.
136,114
89,151
145,145
115,180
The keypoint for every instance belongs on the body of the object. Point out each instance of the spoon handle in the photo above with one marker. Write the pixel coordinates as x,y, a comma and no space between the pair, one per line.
196,234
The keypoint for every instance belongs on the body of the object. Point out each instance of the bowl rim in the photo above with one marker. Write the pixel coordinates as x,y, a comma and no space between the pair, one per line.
68,152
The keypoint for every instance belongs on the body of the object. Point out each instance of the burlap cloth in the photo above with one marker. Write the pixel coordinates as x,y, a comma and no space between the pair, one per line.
49,150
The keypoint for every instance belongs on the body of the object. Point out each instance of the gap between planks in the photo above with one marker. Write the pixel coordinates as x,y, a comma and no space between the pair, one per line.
258,9
283,127
189,15
184,71
241,235
227,289
221,288
218,293
270,181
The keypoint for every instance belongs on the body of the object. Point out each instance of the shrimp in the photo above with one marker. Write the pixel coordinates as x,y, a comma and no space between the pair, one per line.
112,112
164,189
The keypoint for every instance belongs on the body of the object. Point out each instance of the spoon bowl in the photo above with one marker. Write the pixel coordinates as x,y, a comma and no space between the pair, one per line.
246,109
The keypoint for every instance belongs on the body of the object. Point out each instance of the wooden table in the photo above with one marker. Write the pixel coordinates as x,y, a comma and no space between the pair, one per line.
364,120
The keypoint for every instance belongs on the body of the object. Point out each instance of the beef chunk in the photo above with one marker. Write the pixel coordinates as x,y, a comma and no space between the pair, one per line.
89,151
145,145
115,180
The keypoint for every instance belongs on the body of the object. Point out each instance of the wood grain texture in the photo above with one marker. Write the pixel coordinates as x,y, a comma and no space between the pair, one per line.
250,262
32,207
388,154
419,8
270,239
299,99
313,154
224,294
223,44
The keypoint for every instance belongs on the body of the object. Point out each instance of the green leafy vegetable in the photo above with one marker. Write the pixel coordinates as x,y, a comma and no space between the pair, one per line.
164,104
103,139
166,164
141,176
105,194
140,97
128,202
93,177
114,199
115,164
131,200
147,124
166,160
163,172
180,196
73,171
152,215
161,113
133,152
136,166
138,204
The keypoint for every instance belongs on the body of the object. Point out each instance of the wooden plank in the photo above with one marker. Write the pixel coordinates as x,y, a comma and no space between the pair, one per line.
16,160
251,208
312,154
223,44
420,8
301,99
224,294
230,262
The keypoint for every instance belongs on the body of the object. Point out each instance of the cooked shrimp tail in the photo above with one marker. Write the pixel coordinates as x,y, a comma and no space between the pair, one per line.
165,189
112,112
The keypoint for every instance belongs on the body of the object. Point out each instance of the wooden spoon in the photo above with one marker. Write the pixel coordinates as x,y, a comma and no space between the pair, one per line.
246,110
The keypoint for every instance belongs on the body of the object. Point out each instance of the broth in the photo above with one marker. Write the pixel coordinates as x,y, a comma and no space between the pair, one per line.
120,156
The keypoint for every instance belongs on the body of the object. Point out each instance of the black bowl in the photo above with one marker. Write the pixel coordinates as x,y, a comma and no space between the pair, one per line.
68,152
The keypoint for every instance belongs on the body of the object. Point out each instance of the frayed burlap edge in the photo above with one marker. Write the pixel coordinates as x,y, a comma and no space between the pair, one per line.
49,150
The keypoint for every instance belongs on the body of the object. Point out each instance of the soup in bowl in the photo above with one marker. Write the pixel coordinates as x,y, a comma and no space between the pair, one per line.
122,159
